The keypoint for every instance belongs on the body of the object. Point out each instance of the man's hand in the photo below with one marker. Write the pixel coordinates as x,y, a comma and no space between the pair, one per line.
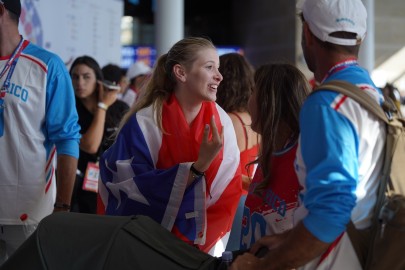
247,261
269,241
250,260
288,250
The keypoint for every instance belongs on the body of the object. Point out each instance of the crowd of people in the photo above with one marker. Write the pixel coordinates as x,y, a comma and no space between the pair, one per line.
224,155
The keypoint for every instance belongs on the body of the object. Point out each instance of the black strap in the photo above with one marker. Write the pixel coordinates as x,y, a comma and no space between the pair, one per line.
195,171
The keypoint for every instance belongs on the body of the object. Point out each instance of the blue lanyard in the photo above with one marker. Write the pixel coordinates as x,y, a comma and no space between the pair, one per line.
10,65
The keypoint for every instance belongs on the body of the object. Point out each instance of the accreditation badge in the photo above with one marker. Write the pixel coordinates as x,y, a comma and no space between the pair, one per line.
90,181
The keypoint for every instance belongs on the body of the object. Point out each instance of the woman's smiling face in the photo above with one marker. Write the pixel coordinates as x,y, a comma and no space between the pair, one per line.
203,77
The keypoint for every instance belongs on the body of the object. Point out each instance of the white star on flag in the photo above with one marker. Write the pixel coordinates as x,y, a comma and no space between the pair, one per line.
125,182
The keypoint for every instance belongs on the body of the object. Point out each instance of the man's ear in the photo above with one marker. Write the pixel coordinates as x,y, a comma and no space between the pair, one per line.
179,72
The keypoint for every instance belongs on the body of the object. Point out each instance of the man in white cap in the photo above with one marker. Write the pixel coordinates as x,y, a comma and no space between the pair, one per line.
340,149
137,74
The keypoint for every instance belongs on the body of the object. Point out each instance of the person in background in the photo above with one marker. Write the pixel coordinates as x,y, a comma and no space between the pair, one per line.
280,91
233,95
38,123
176,157
339,156
116,76
137,74
99,115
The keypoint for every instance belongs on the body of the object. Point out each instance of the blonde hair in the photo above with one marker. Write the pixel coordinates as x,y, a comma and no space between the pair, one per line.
162,83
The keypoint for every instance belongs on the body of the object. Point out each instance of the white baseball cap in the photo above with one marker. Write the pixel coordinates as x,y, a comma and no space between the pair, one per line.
328,16
138,68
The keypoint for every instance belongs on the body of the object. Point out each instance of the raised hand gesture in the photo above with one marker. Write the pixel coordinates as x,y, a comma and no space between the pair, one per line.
209,148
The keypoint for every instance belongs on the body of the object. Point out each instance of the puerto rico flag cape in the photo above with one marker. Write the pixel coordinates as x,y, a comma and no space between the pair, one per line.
146,170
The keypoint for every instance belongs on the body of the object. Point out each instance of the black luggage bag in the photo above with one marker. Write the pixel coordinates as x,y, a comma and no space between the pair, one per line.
75,241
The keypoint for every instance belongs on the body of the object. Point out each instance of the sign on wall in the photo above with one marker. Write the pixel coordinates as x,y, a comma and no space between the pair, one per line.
148,55
72,28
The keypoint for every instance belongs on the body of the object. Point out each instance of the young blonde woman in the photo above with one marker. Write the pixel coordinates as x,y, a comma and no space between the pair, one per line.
176,157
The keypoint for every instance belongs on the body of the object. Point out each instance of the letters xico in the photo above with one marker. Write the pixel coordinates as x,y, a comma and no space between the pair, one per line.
18,92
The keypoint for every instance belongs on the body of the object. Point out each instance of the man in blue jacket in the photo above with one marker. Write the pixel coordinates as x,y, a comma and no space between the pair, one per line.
339,157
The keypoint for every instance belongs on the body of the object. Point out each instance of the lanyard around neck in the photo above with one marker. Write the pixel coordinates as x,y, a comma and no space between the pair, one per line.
340,66
10,65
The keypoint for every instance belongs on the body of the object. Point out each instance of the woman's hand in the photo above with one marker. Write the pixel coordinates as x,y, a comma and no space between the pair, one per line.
209,148
108,97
